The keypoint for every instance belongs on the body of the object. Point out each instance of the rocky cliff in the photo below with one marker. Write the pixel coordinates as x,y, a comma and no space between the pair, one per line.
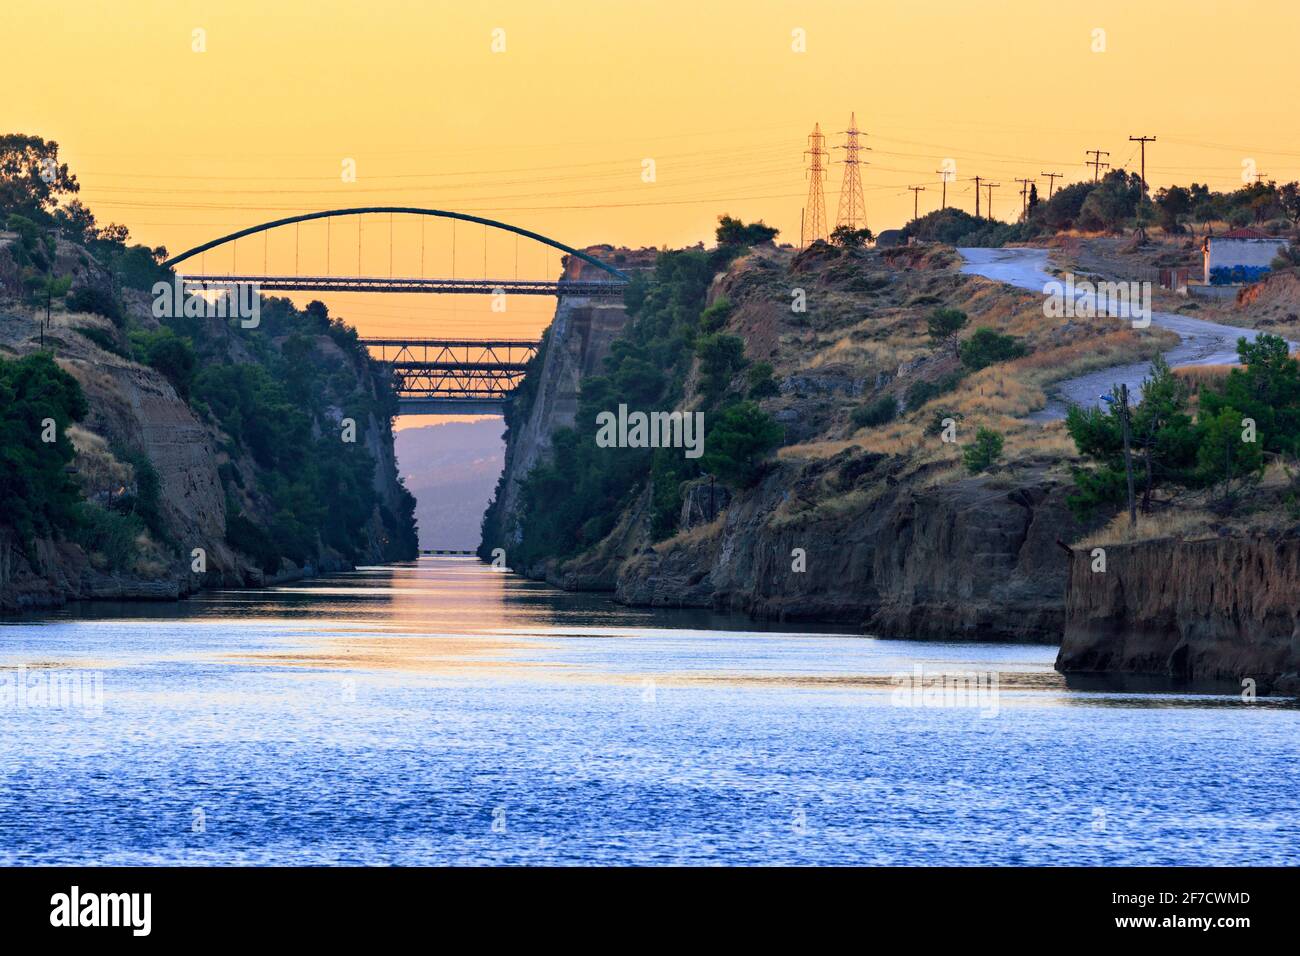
144,449
1217,610
893,543
574,347
967,560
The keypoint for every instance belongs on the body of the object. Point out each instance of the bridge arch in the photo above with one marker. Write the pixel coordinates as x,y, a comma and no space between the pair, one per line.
403,210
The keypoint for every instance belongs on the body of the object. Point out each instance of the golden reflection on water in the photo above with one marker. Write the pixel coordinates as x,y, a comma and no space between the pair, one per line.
424,654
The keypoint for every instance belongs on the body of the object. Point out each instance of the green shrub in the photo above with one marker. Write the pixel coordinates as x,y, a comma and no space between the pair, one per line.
943,326
883,409
96,301
988,347
761,382
37,496
721,357
105,340
983,452
922,392
243,535
108,533
936,421
715,316
738,441
169,354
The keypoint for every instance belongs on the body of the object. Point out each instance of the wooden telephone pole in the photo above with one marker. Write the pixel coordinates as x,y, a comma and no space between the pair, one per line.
916,194
990,187
1051,182
978,180
1128,455
1024,196
1096,163
1143,140
943,177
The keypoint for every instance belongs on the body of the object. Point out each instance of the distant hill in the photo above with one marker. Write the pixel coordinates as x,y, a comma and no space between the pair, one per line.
452,470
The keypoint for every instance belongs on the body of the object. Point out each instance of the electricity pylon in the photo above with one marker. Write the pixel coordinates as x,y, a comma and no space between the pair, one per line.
853,205
816,212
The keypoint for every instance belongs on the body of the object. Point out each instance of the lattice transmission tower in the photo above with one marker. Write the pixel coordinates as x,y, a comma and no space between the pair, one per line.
815,213
853,205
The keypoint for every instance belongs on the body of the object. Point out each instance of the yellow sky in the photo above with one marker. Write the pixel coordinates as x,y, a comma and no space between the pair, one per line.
551,134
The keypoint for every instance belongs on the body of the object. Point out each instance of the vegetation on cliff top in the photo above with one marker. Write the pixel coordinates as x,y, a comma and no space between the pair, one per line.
1114,203
1249,418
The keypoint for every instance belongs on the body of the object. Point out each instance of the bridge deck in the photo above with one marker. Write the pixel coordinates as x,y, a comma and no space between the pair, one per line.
269,283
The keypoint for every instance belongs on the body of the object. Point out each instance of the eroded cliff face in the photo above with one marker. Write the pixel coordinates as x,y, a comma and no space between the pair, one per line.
135,412
873,541
131,407
576,344
968,561
1214,610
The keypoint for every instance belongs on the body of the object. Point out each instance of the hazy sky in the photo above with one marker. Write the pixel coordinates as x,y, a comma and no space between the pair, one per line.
552,133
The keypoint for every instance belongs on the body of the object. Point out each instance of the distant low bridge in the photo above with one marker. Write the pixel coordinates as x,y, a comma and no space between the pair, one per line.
453,376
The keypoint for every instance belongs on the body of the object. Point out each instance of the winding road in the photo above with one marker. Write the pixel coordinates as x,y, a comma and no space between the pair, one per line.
1202,342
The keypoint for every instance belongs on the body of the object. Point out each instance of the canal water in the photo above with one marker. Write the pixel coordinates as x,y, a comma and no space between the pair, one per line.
443,712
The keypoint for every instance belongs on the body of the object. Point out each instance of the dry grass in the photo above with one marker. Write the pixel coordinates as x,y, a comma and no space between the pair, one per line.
98,470
1193,517
1049,440
1183,524
1198,377
847,349
816,450
695,535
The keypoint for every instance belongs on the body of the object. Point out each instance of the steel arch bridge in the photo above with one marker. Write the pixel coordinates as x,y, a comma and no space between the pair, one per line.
431,375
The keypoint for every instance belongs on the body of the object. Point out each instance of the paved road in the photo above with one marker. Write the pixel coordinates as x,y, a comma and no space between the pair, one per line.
1203,343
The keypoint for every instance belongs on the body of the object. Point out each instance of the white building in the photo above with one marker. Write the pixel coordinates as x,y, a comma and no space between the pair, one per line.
1249,248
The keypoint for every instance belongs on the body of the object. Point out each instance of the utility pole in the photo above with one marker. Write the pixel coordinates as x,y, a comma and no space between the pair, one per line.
853,205
1051,183
916,194
943,177
1143,140
990,187
1128,455
1259,177
816,171
1096,163
1024,196
977,196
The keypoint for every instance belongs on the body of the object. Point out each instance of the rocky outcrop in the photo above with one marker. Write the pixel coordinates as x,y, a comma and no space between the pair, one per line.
1223,610
134,411
576,344
871,541
966,560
